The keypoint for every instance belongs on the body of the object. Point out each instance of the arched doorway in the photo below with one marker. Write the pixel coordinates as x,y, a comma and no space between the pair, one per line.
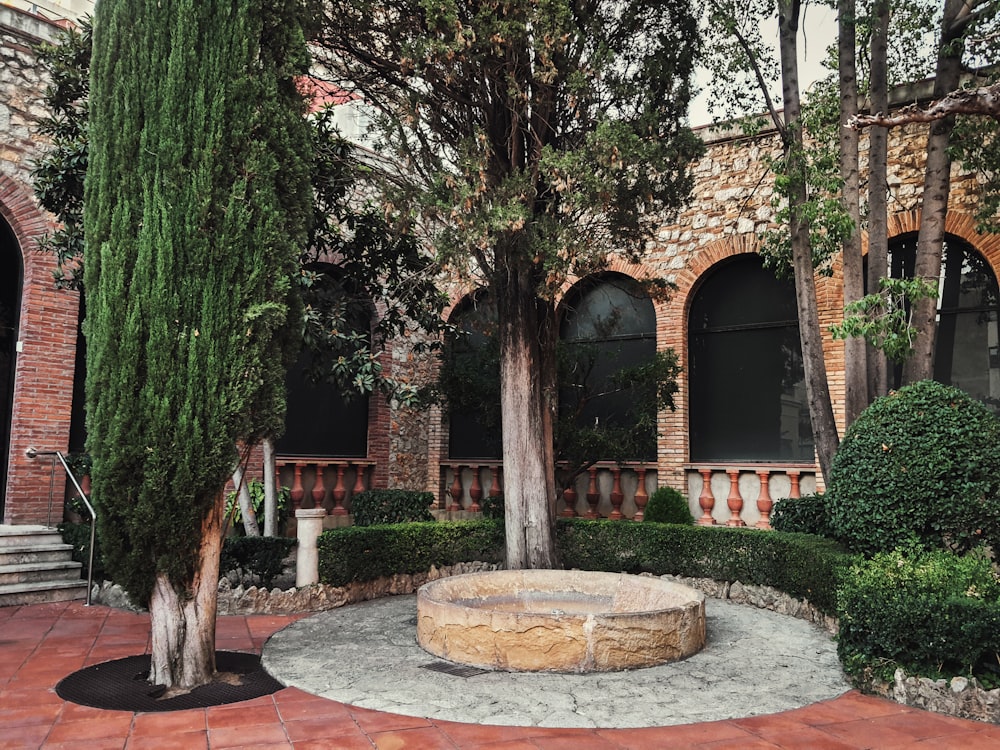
747,384
11,279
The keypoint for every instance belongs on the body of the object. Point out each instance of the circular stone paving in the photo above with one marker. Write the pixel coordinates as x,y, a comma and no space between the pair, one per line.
754,662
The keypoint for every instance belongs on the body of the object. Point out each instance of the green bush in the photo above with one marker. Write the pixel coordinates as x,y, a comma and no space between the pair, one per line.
493,507
805,515
918,466
801,565
932,613
373,507
78,535
363,553
667,505
261,557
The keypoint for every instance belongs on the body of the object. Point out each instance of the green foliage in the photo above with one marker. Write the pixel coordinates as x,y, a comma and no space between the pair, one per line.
493,507
58,175
801,565
667,505
933,613
363,553
918,466
196,206
806,515
884,319
78,535
260,557
373,507
283,500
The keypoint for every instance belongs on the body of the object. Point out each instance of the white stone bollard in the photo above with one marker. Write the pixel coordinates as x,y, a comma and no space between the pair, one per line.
309,522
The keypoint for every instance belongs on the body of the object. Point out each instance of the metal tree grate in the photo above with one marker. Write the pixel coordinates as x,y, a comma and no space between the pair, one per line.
455,670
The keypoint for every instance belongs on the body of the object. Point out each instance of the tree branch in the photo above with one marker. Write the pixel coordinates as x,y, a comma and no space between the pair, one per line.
984,101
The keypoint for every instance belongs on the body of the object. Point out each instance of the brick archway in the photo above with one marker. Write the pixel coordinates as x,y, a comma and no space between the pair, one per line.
43,375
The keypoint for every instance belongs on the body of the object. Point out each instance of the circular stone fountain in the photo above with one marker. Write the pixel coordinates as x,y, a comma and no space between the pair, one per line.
559,620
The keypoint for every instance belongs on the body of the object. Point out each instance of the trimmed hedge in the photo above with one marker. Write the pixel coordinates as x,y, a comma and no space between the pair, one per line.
933,613
802,565
373,507
806,515
363,553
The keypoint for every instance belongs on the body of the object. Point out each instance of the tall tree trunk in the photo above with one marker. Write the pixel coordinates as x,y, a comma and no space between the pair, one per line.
937,186
810,335
528,471
878,188
855,359
270,489
250,526
182,623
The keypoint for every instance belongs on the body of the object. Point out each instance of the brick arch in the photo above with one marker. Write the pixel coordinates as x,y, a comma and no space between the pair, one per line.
22,213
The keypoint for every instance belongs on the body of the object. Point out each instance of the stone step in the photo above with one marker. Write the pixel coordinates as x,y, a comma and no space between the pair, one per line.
38,572
11,555
23,536
13,594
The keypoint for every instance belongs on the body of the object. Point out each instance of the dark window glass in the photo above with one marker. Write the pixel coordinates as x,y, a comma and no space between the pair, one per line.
471,378
10,306
966,353
747,386
320,420
608,324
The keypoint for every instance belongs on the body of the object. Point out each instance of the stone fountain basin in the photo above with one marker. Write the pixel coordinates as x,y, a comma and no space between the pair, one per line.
559,620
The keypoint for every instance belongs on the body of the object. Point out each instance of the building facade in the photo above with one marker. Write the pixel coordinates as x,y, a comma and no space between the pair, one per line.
738,438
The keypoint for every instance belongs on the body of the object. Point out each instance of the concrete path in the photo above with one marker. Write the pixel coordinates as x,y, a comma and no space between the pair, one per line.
755,662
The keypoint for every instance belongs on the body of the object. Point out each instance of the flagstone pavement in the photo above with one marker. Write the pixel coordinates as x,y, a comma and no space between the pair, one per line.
41,644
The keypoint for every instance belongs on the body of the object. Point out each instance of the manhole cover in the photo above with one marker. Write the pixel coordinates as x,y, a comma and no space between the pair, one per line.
455,670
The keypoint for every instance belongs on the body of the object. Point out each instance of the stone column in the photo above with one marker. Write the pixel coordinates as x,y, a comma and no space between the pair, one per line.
309,525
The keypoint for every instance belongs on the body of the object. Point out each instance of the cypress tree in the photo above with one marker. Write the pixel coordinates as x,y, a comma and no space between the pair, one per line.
196,202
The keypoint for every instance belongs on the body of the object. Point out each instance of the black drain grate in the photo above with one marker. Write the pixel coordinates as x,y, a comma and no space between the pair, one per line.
121,685
455,670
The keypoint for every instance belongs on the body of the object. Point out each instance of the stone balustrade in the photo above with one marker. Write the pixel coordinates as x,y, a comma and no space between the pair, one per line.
744,494
328,483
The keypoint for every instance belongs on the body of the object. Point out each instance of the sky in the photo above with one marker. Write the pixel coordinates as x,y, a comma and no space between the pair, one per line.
818,31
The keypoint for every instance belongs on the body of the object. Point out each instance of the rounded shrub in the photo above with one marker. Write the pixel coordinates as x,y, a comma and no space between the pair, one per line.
918,467
667,505
805,515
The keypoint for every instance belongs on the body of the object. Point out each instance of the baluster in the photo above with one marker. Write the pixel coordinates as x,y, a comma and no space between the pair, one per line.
617,496
593,496
339,493
641,498
359,479
793,475
494,481
456,488
297,492
764,502
735,500
475,490
706,499
569,500
319,488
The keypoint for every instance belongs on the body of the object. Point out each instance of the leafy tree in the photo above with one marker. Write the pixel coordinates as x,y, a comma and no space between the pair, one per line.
196,207
529,140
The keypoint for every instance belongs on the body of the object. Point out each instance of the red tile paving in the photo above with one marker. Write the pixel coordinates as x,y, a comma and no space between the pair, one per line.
41,644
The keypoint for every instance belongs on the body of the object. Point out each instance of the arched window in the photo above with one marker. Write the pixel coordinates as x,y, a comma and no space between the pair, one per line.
470,378
747,387
609,325
320,420
967,351
11,276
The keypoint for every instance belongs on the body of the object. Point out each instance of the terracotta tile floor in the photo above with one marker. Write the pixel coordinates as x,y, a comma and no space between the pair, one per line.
41,644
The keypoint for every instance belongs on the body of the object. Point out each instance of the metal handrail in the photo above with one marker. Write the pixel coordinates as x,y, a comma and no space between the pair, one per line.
32,453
